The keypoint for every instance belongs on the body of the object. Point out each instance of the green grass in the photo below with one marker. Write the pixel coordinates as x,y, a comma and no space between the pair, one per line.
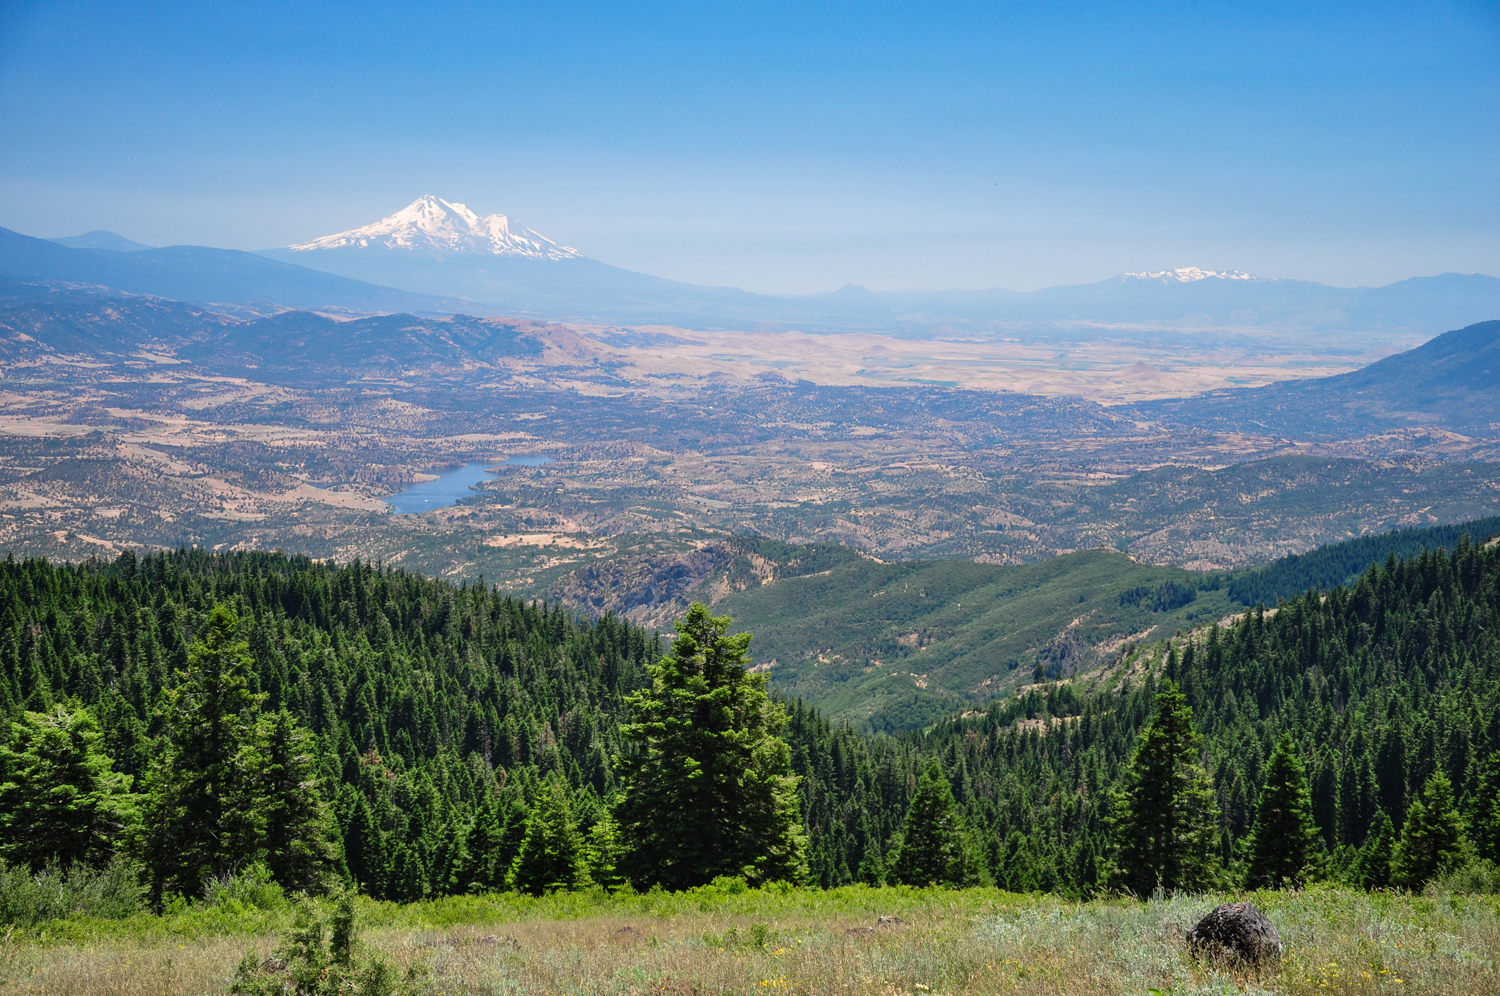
801,941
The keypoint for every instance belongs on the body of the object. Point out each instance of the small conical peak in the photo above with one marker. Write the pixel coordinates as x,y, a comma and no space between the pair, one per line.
433,225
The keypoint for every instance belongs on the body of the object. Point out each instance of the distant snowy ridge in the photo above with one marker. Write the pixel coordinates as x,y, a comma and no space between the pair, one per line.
1187,275
444,227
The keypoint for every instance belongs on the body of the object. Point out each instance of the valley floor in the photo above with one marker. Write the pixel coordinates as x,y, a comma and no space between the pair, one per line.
802,941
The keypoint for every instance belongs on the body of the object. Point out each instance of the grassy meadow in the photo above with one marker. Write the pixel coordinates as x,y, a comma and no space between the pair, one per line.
713,940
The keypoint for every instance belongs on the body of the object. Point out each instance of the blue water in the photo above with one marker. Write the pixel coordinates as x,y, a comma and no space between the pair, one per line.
453,485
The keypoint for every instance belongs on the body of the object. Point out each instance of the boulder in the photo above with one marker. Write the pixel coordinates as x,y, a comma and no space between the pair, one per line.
1236,932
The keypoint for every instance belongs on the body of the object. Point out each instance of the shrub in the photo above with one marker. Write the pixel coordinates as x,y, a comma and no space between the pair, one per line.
1477,876
26,898
307,964
252,888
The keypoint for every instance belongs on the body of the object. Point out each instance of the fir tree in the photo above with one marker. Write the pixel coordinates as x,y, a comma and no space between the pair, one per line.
1166,818
1432,841
364,850
1016,869
1373,869
1282,842
603,853
708,789
200,819
408,879
932,849
61,800
552,855
299,839
1485,822
872,866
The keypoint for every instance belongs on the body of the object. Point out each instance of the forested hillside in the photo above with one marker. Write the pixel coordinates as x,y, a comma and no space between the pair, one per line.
1381,685
1339,563
431,721
435,709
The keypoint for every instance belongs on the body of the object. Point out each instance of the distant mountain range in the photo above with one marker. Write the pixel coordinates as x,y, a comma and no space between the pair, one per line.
1450,382
443,248
201,274
437,256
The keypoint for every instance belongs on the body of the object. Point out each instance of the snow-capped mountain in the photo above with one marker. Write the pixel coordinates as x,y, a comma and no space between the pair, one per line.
440,227
1187,275
442,248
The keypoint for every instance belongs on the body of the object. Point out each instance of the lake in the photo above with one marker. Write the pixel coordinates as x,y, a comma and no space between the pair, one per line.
453,485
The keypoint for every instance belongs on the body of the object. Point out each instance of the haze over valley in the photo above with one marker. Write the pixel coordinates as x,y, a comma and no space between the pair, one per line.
1190,420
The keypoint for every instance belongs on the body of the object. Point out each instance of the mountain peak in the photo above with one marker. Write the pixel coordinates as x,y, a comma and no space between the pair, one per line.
440,227
1187,275
100,240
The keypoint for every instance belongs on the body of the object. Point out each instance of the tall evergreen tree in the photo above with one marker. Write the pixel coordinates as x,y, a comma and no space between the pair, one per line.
707,790
1432,841
552,856
61,800
1485,824
299,841
1166,818
1324,799
364,850
200,818
602,849
1282,842
1373,869
933,847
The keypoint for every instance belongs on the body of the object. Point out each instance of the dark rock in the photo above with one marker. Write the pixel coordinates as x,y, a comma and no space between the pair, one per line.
1236,932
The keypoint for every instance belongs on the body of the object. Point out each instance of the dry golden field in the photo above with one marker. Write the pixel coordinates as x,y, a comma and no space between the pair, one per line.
710,941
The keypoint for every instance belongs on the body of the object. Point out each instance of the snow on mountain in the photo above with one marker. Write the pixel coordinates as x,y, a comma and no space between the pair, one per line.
440,227
1187,275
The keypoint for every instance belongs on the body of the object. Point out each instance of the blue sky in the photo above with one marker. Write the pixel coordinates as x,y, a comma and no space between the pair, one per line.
791,147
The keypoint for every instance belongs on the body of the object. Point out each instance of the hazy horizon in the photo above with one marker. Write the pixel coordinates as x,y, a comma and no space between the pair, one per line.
784,150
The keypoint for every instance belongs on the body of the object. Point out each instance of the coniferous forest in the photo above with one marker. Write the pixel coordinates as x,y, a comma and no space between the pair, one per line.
199,714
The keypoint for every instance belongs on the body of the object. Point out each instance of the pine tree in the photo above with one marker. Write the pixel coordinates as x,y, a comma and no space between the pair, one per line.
603,853
552,856
1165,821
299,841
1486,819
1282,842
1374,866
364,850
708,789
1016,869
1432,841
932,849
61,799
200,818
408,879
1324,799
